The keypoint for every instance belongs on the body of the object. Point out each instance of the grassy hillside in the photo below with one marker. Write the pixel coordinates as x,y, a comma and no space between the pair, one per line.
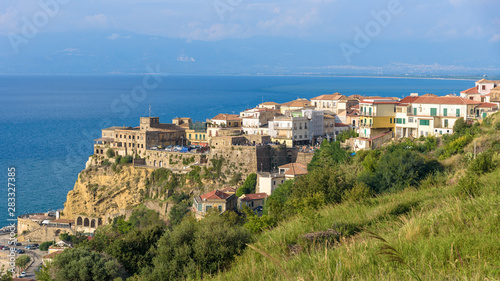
446,229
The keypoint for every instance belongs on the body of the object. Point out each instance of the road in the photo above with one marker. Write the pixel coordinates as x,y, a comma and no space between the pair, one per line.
35,255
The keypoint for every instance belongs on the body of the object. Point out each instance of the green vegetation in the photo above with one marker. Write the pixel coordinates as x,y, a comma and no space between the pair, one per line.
45,245
345,135
110,153
23,261
248,186
75,239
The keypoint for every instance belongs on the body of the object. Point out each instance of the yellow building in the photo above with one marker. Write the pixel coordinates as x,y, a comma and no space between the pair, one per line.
376,117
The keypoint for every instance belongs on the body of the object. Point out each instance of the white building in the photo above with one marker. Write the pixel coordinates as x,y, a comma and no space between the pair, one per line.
290,130
255,120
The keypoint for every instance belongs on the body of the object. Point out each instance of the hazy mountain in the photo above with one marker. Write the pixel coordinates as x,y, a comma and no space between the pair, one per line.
124,52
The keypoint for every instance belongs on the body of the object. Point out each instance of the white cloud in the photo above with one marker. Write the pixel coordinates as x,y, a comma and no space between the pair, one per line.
115,36
99,19
495,38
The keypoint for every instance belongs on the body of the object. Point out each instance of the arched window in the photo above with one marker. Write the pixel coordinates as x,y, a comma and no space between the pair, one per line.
92,223
79,221
86,222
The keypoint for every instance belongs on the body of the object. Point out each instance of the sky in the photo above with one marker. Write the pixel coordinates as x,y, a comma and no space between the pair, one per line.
224,19
216,20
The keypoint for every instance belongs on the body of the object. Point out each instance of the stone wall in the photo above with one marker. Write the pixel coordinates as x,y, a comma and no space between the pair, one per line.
304,158
237,159
173,160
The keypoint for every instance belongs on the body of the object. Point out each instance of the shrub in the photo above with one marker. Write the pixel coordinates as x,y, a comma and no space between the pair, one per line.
469,186
45,245
359,192
248,186
126,159
497,125
482,164
110,153
106,163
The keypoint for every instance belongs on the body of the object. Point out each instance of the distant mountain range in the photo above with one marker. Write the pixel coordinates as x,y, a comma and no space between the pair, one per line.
124,52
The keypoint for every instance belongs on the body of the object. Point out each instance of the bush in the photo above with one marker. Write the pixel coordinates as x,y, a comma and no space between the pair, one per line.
497,125
358,193
126,159
469,186
45,245
110,153
248,186
106,163
482,164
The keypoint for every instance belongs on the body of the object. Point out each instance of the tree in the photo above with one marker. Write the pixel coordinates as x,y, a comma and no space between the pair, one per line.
45,245
83,264
23,261
248,186
330,154
110,153
178,212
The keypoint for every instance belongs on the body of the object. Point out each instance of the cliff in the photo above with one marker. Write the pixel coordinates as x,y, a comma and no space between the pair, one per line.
101,191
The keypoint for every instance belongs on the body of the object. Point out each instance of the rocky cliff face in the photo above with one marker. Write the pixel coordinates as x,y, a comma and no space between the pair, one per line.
101,191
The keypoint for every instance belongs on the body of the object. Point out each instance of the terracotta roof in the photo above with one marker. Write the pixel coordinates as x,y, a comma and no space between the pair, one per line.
335,96
429,95
472,90
407,100
497,88
297,103
52,255
381,135
444,100
487,105
355,106
294,169
228,190
379,101
227,117
341,125
215,195
328,116
488,81
269,103
254,196
379,98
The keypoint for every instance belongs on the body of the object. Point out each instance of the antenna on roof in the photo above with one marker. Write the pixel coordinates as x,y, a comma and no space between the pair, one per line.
150,111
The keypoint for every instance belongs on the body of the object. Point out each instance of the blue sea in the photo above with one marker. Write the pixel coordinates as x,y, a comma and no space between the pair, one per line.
48,123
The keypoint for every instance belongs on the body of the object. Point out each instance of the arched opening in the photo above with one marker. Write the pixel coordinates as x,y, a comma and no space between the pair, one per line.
154,163
57,232
99,222
92,223
79,221
86,222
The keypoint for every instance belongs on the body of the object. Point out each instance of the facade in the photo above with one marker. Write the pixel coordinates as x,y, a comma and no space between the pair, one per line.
376,116
424,116
226,120
270,105
333,103
253,201
196,134
290,130
216,200
255,120
135,140
268,182
329,125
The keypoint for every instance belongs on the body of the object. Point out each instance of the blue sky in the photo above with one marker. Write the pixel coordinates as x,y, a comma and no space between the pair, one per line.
314,20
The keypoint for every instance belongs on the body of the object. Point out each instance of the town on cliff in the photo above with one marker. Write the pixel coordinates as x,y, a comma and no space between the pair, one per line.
275,142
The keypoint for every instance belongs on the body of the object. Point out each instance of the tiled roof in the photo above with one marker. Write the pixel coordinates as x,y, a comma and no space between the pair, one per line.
379,101
227,117
444,100
335,96
328,116
497,88
228,190
269,103
487,105
341,125
254,196
429,95
472,90
294,169
488,81
215,195
297,103
355,106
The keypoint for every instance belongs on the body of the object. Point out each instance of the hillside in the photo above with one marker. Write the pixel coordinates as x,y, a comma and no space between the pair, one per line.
446,229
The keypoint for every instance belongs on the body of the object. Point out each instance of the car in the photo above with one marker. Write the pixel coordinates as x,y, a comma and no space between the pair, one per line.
5,248
36,245
23,274
29,247
20,251
19,244
1,247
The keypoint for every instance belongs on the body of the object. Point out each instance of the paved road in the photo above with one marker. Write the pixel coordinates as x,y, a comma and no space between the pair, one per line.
35,255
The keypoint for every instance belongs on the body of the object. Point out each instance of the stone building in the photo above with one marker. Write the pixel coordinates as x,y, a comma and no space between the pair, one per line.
216,201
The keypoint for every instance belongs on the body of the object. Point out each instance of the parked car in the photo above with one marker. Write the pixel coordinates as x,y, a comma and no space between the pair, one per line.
1,247
23,274
36,245
20,251
19,244
29,247
5,248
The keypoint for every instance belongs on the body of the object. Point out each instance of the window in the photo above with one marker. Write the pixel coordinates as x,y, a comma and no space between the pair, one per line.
483,87
199,207
390,120
410,119
414,111
445,112
208,208
458,112
370,111
424,122
433,111
446,123
404,121
220,208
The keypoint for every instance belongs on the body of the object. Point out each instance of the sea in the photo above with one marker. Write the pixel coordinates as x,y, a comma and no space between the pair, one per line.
48,123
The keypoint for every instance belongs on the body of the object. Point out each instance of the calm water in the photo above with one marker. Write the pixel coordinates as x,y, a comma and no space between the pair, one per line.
48,122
